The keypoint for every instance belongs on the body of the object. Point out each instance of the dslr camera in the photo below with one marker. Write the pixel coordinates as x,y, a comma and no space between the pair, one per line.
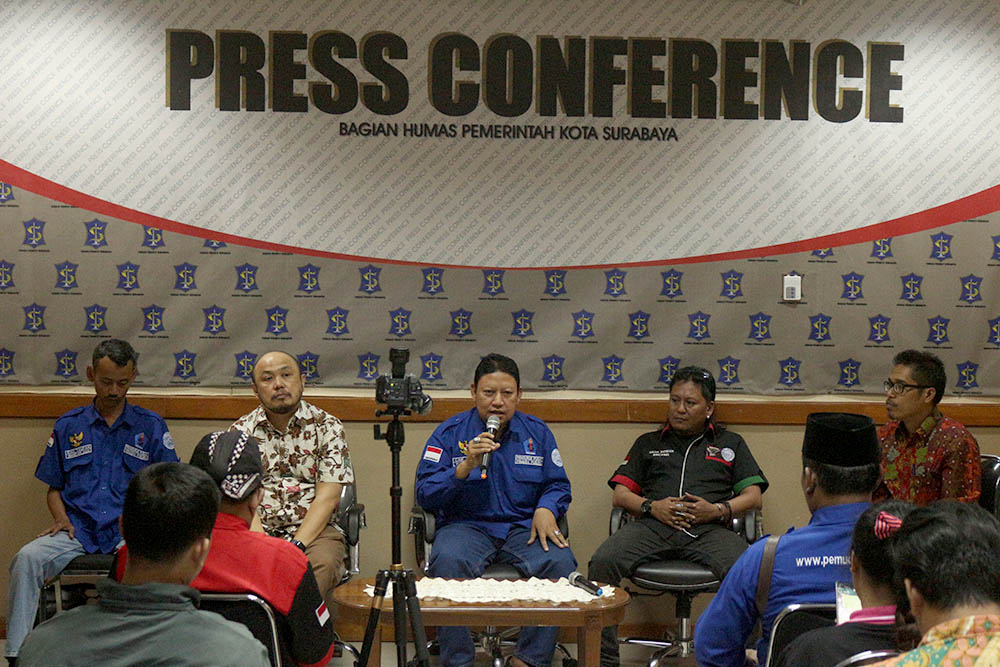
401,393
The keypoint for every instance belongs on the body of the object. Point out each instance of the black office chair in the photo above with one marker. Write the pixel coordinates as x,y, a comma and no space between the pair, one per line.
74,585
682,579
866,658
990,497
351,519
257,615
492,640
794,620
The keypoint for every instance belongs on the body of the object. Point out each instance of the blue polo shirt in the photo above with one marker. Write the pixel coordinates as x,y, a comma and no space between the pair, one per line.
91,465
524,474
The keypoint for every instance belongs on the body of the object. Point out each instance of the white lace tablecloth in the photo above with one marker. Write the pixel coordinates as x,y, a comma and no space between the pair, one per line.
499,590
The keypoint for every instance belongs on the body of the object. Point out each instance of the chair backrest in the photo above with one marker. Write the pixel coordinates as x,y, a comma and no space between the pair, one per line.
257,615
351,519
794,620
866,658
990,498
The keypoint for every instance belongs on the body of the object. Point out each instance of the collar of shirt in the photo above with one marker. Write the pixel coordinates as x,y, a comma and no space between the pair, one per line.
125,418
961,627
227,521
875,615
833,514
926,426
709,434
260,419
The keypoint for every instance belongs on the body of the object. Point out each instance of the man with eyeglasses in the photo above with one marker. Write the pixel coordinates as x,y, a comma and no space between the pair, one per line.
925,455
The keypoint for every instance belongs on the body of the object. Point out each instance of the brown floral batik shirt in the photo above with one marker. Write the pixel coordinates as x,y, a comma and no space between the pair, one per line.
312,450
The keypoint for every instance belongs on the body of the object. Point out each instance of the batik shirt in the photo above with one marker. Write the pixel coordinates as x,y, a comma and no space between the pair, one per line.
972,640
939,460
311,450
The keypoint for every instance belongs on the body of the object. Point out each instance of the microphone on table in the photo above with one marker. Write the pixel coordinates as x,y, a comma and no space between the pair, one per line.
578,580
492,427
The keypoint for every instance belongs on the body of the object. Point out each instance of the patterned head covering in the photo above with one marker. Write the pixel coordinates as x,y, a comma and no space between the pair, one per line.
232,458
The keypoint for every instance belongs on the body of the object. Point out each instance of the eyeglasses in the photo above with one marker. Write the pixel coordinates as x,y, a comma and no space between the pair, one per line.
900,387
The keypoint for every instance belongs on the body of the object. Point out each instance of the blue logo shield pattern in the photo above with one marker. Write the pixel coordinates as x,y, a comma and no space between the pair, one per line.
850,373
244,365
522,323
996,248
638,325
371,279
95,318
6,193
819,327
128,276
185,277
760,326
152,237
66,276
212,244
614,282
729,370
215,320
972,288
732,284
552,368
66,364
668,366
430,367
6,362
368,366
246,278
941,246
184,364
583,324
967,375
6,275
34,318
399,322
152,319
699,325
822,253
993,331
96,233
309,365
671,284
461,323
555,282
277,320
493,281
878,328
882,248
433,280
34,233
937,330
308,278
912,287
337,321
613,369
852,286
790,372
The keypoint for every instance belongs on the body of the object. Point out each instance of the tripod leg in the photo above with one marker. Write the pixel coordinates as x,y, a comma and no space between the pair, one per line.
399,614
381,583
416,620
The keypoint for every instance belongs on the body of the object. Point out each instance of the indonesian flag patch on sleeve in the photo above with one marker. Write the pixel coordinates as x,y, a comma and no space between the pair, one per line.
322,613
432,453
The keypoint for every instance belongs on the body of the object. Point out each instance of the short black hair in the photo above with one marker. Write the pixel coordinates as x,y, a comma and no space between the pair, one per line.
168,506
699,376
948,550
118,351
845,481
497,363
874,552
927,369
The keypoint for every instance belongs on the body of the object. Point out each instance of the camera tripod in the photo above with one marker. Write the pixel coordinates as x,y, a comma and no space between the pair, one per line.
405,603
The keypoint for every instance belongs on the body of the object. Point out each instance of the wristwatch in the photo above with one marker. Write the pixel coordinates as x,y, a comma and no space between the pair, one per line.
298,543
647,507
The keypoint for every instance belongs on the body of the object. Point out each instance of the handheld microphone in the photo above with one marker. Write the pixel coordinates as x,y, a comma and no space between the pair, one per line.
492,427
578,580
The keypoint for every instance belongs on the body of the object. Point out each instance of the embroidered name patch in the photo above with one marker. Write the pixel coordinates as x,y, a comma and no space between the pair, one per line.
78,451
432,453
136,452
527,460
660,452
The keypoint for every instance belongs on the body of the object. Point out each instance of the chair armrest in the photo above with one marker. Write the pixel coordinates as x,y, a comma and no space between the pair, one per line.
749,524
352,522
422,528
619,517
562,523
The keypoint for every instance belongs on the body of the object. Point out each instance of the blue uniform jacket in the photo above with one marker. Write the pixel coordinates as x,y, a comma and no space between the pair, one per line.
807,565
92,464
524,474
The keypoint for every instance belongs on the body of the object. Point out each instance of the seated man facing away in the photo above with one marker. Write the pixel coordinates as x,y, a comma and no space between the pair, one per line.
151,617
873,627
87,464
684,482
840,469
507,517
948,577
242,561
